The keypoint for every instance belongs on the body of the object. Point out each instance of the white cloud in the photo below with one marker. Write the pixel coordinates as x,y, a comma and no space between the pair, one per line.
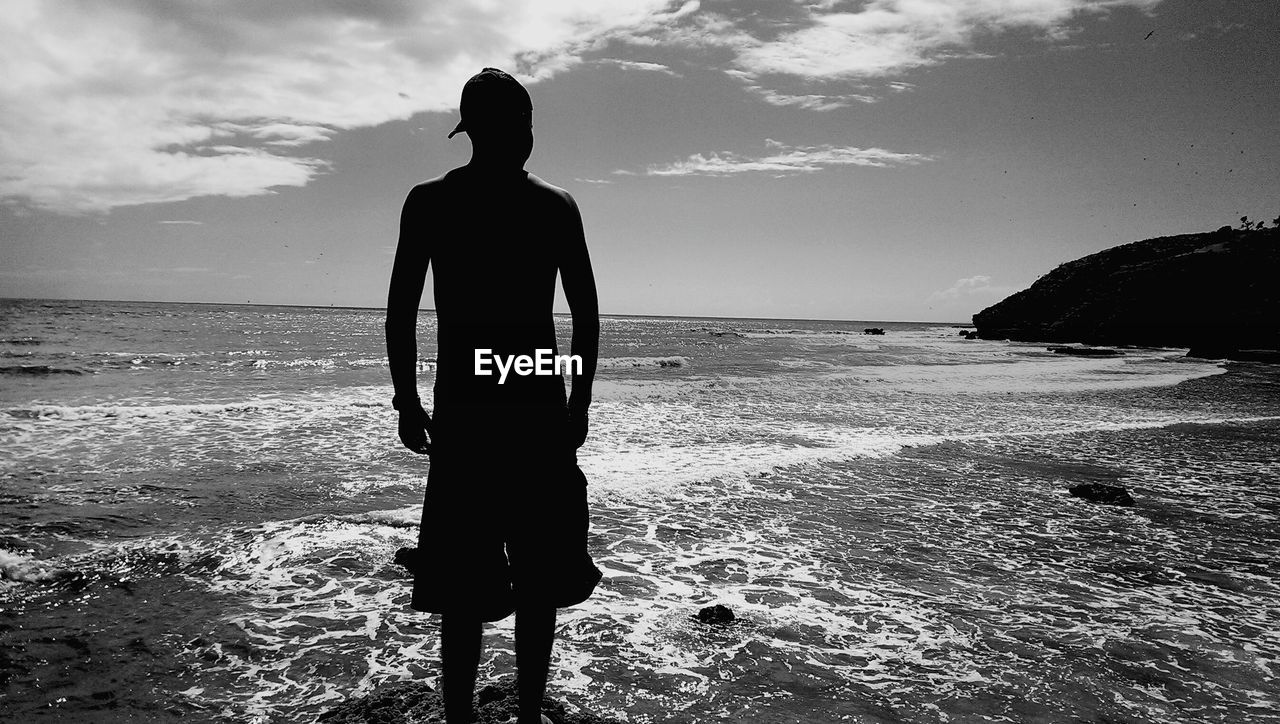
640,65
884,37
810,101
181,222
107,104
807,101
290,134
784,161
978,285
844,46
132,102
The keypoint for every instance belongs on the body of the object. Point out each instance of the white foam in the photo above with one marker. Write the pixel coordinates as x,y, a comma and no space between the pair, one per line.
16,568
644,447
629,362
1042,375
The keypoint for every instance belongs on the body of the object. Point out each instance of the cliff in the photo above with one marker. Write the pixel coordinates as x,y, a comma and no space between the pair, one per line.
1216,292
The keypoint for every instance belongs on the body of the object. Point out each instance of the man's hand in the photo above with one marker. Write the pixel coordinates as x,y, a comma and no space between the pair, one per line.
415,425
577,427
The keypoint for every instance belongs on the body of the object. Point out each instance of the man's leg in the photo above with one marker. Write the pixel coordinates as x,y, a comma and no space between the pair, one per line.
459,657
535,632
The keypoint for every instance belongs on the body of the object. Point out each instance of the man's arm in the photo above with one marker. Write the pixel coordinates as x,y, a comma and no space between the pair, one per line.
408,275
580,292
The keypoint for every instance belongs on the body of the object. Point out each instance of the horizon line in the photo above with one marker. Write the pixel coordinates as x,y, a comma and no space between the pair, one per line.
432,309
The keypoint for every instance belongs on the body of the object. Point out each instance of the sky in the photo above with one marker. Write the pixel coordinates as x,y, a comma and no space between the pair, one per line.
897,160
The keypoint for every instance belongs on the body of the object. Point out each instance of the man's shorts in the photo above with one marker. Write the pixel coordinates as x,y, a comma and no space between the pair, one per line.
504,520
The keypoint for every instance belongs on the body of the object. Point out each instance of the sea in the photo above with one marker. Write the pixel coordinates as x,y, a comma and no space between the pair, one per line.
200,505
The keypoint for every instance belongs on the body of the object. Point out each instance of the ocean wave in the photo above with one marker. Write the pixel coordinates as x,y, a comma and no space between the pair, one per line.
629,362
843,338
424,365
1028,374
807,332
718,331
89,412
399,518
16,568
22,341
38,370
138,360
262,364
354,398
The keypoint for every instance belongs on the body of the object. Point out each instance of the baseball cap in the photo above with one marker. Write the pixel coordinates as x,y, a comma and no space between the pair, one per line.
491,94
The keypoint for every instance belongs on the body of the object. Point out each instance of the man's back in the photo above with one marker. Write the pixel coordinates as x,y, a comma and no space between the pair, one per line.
495,241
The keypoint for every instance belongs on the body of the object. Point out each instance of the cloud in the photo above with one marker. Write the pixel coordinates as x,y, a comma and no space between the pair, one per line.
810,101
290,134
114,104
181,222
784,161
640,65
807,101
831,54
979,285
885,37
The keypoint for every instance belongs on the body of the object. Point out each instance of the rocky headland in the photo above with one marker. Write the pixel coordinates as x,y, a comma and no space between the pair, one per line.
1216,293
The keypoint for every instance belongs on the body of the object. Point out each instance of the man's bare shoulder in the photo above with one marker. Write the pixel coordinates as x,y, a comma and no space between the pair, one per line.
433,186
550,190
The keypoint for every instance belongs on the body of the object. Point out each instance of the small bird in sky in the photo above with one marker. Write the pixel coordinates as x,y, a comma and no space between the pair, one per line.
1150,34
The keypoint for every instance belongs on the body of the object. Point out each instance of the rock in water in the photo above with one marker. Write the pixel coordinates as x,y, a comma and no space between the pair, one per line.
407,557
717,615
402,701
1100,493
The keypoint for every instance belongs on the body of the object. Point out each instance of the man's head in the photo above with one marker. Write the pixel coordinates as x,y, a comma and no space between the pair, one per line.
497,114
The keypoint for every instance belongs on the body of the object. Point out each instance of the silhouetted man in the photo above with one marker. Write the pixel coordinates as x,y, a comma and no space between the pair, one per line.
504,519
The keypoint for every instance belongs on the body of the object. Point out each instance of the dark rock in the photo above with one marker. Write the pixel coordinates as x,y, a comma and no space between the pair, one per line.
1087,351
873,330
1235,355
1255,355
970,334
407,557
717,615
1101,493
414,702
406,701
1205,291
